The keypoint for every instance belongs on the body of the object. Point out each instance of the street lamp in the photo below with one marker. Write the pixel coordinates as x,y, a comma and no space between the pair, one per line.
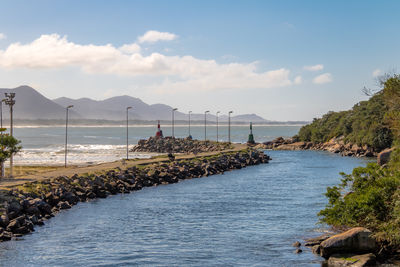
66,134
127,135
173,121
1,112
217,124
205,125
229,126
190,136
10,102
1,119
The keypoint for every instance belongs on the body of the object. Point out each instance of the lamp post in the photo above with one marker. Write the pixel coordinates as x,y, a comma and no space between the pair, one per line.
205,125
127,133
217,124
1,112
10,102
1,119
190,112
173,121
66,134
229,126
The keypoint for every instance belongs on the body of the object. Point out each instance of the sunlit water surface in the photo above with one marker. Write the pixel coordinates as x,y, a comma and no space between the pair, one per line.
46,145
247,217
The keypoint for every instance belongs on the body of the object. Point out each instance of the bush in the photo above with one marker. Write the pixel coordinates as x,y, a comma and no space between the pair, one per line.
368,197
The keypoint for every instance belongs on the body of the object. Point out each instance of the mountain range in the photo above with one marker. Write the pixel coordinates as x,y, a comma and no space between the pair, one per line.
31,105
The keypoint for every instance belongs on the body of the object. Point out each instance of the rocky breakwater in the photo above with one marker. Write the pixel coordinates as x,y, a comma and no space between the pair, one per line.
178,145
335,145
33,203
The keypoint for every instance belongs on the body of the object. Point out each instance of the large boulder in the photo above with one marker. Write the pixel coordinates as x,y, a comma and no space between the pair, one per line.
384,156
355,240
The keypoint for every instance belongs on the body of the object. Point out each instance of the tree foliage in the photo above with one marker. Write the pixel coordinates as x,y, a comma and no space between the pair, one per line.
8,146
364,124
370,196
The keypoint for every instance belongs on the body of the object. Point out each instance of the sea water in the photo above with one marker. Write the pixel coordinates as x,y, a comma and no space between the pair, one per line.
46,145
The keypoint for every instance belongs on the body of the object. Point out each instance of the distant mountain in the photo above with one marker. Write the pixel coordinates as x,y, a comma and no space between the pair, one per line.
115,108
245,118
31,105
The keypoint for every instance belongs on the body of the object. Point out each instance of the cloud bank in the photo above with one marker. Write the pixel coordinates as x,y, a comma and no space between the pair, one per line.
314,68
178,72
323,78
155,36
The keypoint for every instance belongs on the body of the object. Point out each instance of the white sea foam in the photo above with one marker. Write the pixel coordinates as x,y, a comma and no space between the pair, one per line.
77,154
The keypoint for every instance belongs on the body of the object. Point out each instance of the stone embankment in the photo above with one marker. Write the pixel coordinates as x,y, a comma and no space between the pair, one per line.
335,145
178,145
355,247
33,203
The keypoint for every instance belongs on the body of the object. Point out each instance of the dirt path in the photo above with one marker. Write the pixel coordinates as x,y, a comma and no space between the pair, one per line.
123,164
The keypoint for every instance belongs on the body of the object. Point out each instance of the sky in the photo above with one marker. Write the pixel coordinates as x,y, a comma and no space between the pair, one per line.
283,60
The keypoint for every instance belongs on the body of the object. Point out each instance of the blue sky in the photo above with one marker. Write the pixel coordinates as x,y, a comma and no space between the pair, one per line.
284,60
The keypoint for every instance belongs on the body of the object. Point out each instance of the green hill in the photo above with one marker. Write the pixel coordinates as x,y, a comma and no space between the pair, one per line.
369,196
364,124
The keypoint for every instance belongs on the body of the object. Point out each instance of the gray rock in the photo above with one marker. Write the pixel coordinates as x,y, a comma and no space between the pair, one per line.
296,244
14,206
64,205
384,157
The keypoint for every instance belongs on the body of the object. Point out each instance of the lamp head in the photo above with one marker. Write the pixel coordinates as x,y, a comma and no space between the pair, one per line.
207,111
70,106
174,109
128,108
230,112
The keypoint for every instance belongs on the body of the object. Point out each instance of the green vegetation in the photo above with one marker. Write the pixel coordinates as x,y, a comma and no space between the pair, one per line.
8,146
370,196
364,124
35,188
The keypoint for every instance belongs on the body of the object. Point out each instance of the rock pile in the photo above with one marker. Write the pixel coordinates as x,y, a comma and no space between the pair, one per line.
178,145
335,145
355,247
34,203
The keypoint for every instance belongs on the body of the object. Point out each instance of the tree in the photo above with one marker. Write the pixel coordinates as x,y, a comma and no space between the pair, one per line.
8,146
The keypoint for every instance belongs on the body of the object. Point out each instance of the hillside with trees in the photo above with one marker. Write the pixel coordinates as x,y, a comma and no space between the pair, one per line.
364,124
369,196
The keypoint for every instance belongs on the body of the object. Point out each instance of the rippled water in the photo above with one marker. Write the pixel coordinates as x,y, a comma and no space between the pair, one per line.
248,217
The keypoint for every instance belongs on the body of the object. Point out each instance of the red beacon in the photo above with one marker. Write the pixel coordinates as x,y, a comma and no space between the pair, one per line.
159,133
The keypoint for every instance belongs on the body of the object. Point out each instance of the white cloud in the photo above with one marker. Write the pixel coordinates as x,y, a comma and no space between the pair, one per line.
155,36
298,80
376,73
2,36
323,78
177,73
130,48
314,68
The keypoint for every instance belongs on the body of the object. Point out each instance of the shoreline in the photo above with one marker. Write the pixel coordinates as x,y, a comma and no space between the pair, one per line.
334,145
32,200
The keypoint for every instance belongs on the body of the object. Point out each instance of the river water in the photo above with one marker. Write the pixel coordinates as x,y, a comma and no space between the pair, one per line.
247,217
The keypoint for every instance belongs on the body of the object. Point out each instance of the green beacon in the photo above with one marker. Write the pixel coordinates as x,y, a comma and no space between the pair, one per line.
251,136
